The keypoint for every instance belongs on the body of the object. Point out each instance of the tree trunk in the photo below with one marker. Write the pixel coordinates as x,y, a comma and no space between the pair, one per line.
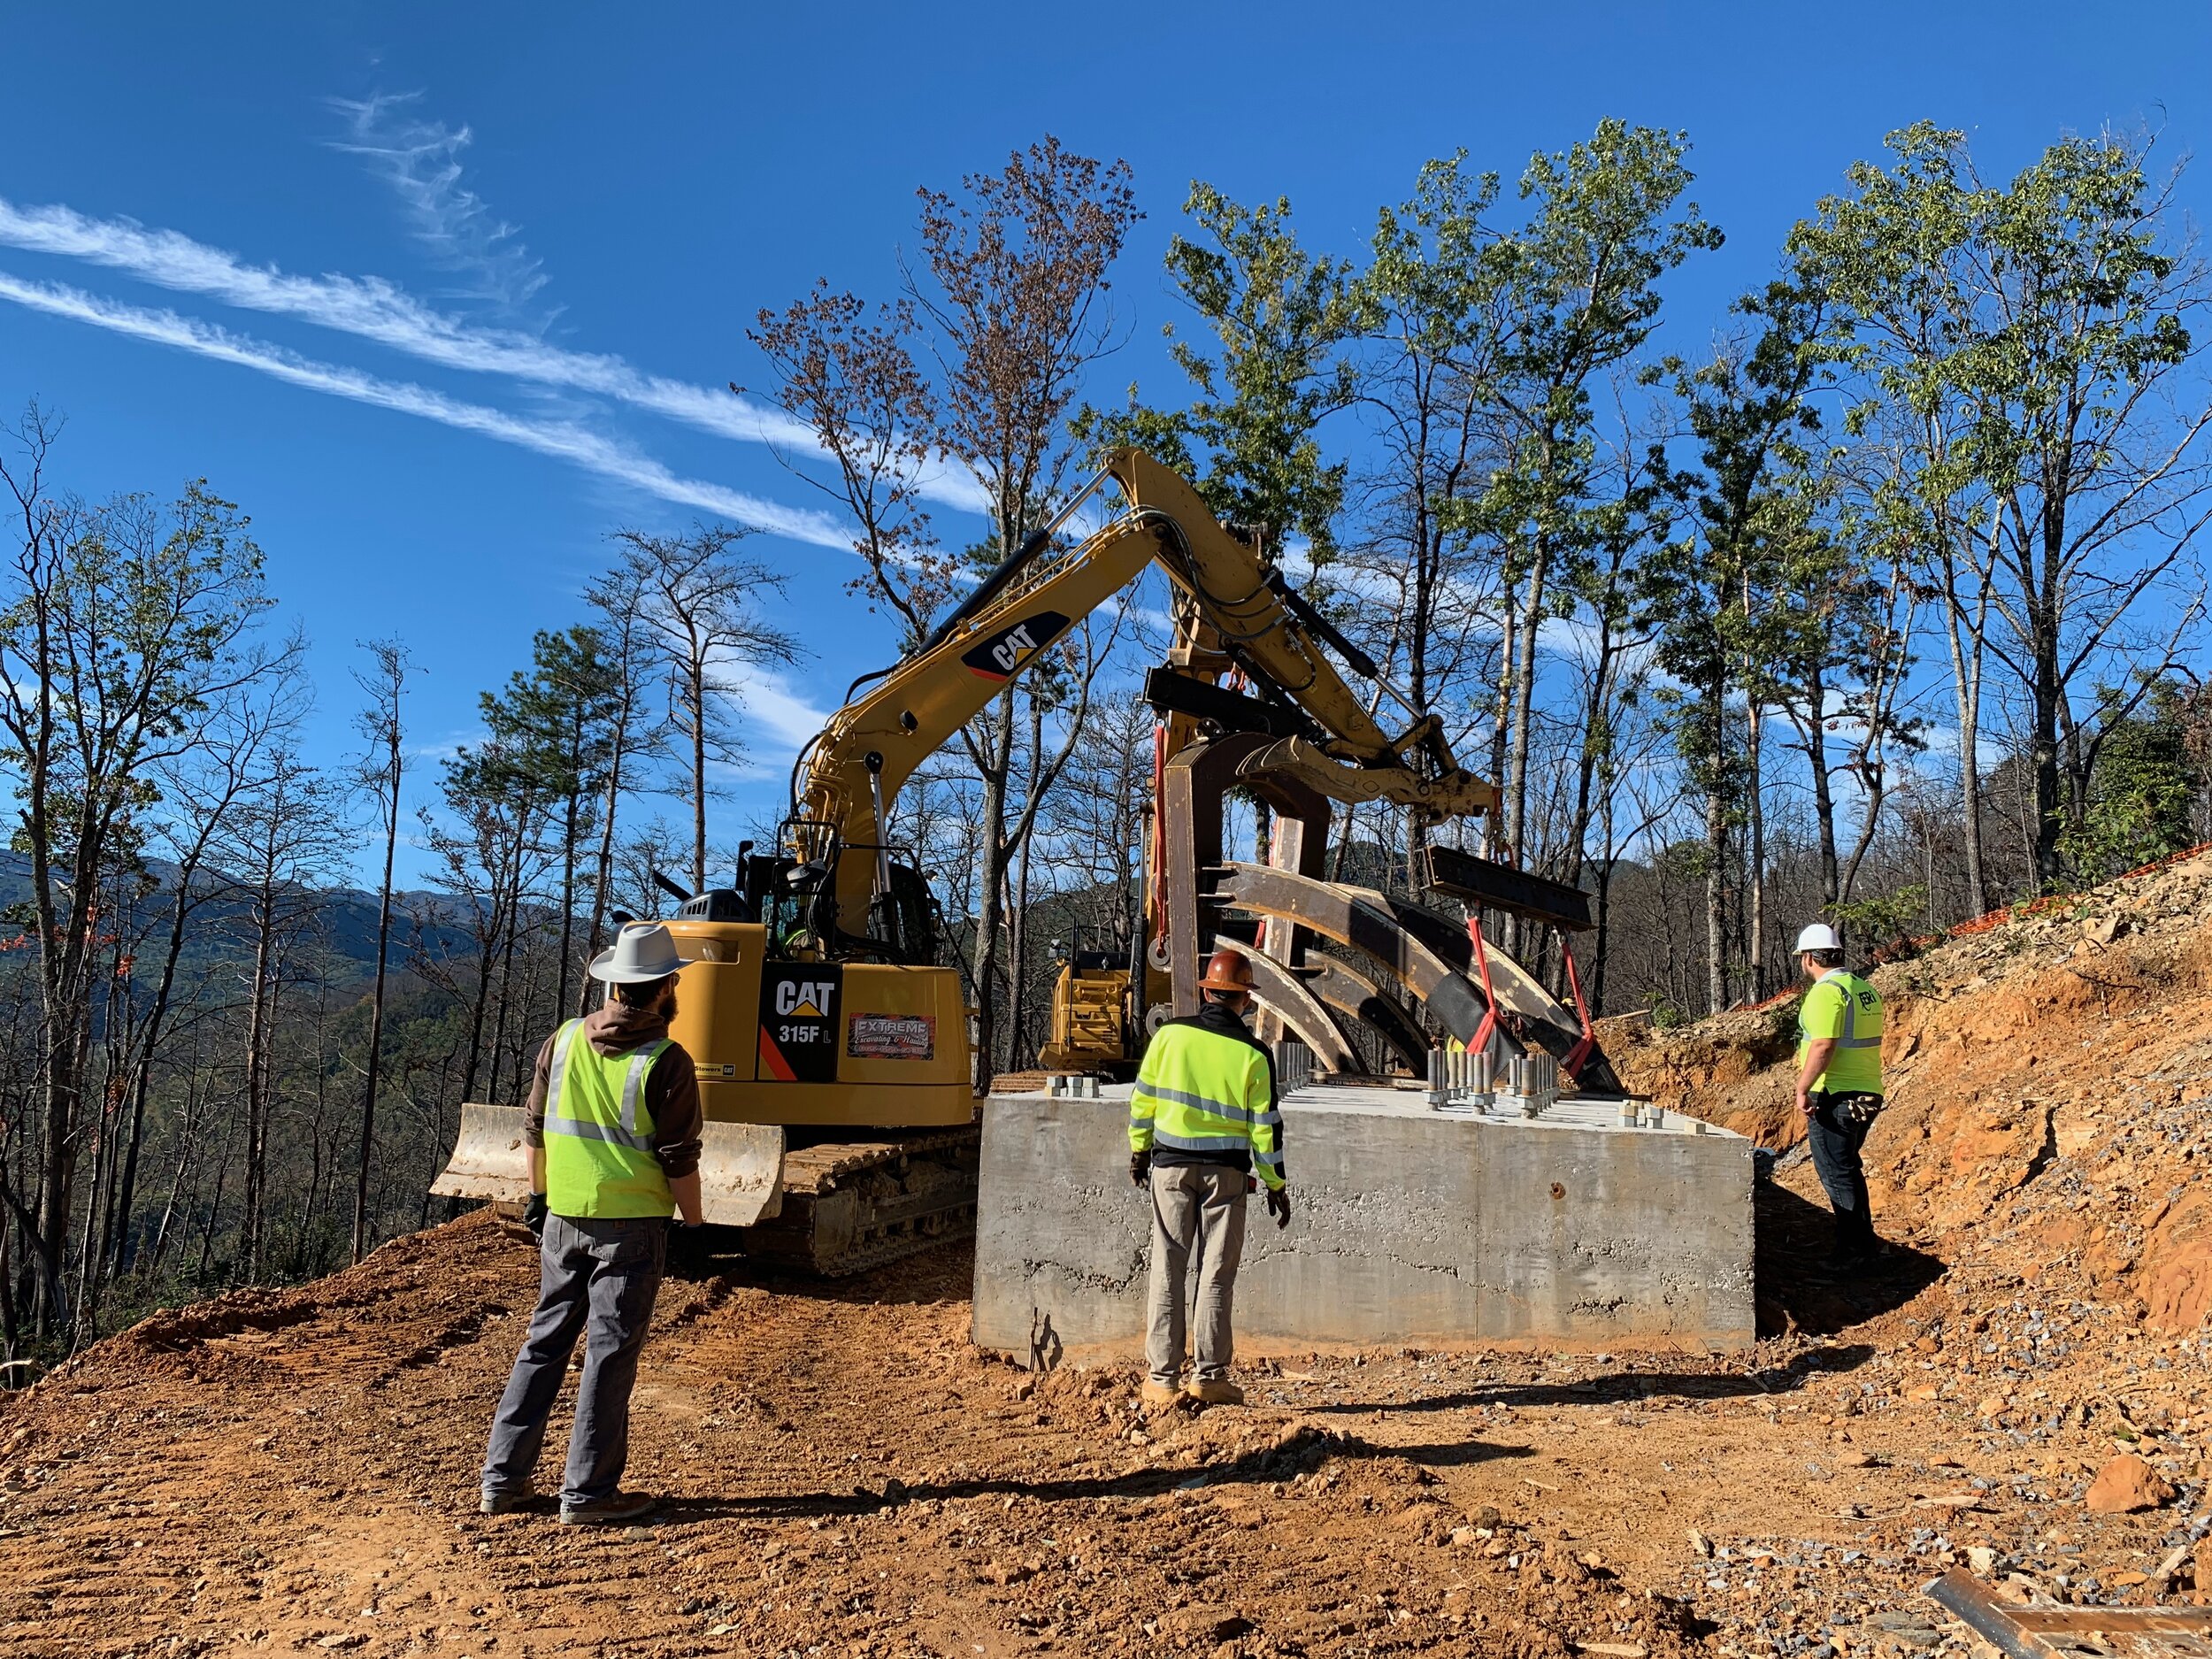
1496,835
1715,863
605,865
698,692
1966,680
258,1017
569,819
1523,708
991,884
359,1242
1755,856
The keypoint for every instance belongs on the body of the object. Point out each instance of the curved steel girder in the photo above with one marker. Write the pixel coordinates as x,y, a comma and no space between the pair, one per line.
1354,994
1351,917
1519,991
1548,1023
1279,991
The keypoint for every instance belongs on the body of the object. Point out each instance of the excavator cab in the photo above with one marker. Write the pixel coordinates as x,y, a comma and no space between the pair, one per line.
798,901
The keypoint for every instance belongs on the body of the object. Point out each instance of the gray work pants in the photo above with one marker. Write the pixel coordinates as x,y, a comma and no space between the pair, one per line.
598,1276
1197,1210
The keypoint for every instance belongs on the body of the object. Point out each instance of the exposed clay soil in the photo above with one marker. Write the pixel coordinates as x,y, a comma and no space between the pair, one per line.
295,1471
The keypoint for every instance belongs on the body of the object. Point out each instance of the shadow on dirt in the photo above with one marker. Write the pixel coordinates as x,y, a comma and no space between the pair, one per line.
1803,1288
942,1272
1306,1451
1627,1388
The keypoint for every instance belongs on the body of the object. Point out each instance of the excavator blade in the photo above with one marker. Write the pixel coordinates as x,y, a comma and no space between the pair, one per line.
487,1158
741,1173
740,1165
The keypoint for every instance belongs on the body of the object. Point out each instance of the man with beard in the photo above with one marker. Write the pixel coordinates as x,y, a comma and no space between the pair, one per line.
612,1133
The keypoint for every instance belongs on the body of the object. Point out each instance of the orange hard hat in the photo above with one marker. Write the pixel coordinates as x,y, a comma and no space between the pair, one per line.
1226,970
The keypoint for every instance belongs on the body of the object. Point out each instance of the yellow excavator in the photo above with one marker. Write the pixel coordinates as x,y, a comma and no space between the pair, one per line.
832,1047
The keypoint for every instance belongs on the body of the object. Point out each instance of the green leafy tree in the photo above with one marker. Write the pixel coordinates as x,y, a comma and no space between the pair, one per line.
1281,319
2027,343
1606,222
1752,414
558,721
2144,788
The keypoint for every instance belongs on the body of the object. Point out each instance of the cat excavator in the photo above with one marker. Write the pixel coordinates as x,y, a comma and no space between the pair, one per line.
832,1045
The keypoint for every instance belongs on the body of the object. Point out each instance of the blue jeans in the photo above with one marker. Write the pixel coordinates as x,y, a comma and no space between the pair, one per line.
601,1275
1836,1136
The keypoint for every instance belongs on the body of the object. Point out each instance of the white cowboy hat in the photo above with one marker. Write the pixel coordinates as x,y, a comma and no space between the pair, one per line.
641,951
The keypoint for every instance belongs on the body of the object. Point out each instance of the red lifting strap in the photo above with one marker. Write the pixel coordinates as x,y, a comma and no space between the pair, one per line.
1480,1040
1576,1055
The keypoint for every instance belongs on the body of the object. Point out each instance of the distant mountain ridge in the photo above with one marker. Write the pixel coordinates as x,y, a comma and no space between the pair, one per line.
344,921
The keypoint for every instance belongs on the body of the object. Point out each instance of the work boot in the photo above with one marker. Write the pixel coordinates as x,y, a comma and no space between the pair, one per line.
611,1510
503,1503
1220,1392
1159,1395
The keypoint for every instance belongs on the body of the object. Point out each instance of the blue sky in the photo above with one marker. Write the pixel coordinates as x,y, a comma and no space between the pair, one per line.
603,201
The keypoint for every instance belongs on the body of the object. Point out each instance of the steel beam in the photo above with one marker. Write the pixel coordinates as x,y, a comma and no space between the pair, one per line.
1283,994
1426,954
1345,915
2043,1632
1355,994
1197,780
1484,882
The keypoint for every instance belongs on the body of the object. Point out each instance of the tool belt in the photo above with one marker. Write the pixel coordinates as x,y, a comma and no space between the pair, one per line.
1853,1108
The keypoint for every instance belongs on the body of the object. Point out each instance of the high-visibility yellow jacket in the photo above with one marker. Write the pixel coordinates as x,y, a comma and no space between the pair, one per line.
1845,1007
1206,1092
599,1156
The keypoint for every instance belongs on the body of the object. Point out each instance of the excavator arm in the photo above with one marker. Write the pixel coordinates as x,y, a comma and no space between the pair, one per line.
855,769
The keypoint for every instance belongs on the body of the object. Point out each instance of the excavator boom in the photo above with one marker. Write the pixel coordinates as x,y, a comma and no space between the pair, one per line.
1033,601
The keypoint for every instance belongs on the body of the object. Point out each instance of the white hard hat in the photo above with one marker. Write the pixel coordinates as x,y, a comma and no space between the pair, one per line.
641,951
1819,936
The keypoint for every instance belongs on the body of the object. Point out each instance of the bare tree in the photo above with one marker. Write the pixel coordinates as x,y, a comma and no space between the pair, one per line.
126,621
698,600
282,840
380,771
630,735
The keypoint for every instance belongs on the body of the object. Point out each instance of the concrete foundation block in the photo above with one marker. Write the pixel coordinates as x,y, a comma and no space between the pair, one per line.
1411,1226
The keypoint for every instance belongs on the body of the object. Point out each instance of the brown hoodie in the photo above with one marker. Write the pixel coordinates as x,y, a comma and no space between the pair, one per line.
671,1088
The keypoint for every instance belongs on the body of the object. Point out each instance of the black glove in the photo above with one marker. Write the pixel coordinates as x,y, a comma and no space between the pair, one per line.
1140,1168
1278,1206
534,1214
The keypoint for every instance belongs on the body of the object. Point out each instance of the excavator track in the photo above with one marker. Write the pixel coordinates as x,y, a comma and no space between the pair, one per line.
849,1206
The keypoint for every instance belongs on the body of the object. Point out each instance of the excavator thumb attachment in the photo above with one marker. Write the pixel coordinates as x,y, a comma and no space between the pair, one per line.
740,1165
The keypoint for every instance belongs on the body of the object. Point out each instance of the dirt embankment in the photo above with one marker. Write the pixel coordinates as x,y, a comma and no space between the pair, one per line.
2049,1080
293,1472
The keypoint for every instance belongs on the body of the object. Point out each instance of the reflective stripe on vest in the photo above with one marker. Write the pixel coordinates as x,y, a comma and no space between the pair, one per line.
599,1158
1849,1039
1200,1091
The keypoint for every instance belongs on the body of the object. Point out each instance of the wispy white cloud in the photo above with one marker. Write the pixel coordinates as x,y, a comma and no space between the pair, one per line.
564,440
778,715
421,160
370,308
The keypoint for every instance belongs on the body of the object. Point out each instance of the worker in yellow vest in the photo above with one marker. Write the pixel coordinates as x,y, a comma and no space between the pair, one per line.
1203,1120
612,1133
1838,1082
